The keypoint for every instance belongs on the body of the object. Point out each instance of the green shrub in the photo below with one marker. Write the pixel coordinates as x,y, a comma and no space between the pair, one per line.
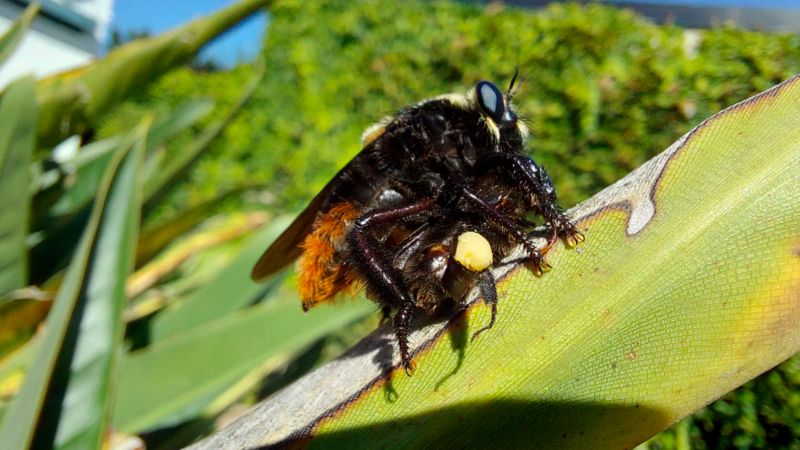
603,89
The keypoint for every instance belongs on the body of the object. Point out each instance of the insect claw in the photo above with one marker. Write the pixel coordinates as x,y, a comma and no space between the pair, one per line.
538,263
574,237
409,368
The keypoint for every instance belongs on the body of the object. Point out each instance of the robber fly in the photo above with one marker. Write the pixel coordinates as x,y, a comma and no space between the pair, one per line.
449,154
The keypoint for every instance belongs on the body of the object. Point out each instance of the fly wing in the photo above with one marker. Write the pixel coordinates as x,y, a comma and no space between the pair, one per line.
286,248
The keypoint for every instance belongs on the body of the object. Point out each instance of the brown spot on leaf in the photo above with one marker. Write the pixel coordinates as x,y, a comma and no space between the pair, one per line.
631,356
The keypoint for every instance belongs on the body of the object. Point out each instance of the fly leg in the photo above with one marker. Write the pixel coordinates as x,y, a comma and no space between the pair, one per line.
488,287
382,278
537,185
516,230
552,213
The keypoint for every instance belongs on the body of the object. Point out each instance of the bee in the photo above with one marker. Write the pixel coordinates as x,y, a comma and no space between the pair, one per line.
423,175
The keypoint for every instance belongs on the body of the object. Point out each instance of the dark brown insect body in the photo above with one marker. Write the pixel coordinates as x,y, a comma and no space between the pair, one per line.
434,273
425,175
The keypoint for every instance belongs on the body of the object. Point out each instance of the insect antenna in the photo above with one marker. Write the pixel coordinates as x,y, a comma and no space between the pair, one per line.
510,92
513,86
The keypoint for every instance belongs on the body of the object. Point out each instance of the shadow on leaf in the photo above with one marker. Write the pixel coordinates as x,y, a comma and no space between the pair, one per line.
546,424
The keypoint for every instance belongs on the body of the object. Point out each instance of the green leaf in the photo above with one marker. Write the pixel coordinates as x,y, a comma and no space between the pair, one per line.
63,214
178,120
11,39
176,379
90,162
13,369
17,142
212,237
86,178
687,286
21,311
214,323
65,399
229,291
160,181
72,101
156,238
46,177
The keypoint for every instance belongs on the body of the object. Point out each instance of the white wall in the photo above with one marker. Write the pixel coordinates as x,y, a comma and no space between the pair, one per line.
100,11
50,47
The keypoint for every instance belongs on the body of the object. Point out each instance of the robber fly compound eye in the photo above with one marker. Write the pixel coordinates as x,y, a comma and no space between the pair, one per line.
491,100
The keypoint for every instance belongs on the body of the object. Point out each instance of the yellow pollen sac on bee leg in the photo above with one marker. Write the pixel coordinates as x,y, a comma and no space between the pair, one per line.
473,251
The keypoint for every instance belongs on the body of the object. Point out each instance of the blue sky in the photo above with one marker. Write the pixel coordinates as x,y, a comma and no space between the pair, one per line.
157,16
245,40
740,3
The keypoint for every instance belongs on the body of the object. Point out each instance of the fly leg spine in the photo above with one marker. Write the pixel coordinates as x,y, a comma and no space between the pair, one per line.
381,277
